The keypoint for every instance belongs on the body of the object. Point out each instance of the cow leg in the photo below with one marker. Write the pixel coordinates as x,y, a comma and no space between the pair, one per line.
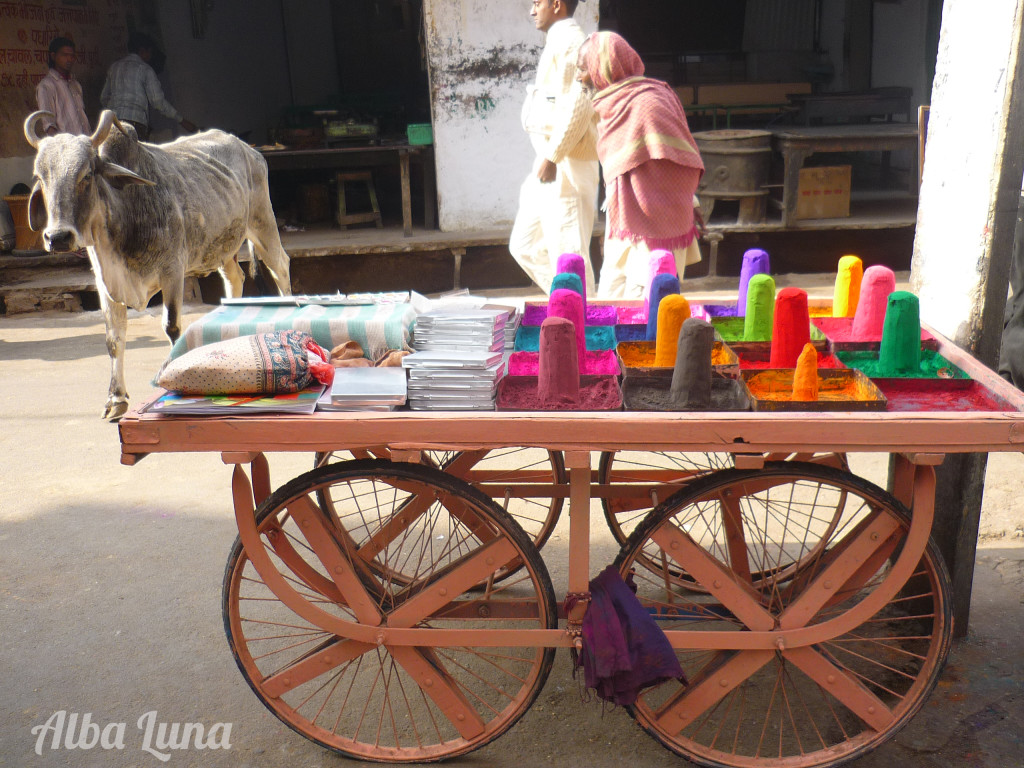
233,277
115,317
172,296
266,242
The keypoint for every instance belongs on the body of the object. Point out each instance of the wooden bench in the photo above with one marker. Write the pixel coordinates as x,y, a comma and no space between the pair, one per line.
729,99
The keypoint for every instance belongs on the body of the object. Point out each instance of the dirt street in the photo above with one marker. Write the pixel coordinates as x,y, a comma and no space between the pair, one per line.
110,580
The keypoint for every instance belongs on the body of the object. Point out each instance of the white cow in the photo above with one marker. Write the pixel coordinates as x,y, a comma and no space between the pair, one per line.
149,215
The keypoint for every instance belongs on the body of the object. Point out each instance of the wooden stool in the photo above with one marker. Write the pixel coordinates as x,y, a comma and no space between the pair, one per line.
344,217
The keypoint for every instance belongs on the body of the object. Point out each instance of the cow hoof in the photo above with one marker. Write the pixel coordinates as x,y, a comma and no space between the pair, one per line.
114,411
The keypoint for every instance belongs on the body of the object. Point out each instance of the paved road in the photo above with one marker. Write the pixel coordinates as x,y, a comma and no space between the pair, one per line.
110,594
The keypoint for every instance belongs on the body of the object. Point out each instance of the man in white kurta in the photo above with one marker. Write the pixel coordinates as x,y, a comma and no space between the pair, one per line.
558,200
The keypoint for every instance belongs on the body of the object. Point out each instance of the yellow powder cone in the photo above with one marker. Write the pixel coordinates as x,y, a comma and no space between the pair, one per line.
805,377
672,312
847,291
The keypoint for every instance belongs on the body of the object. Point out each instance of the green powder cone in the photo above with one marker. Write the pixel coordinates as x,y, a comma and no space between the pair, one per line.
757,323
900,352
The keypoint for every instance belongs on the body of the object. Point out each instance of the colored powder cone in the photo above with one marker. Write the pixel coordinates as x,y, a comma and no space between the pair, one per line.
760,308
558,373
663,285
900,352
805,377
672,313
847,293
661,263
755,262
573,262
875,288
791,329
691,379
569,304
568,281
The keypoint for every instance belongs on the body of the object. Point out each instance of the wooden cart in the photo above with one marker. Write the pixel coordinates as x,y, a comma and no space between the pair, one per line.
392,603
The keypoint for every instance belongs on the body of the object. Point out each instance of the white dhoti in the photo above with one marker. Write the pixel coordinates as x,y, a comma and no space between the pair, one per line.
625,270
555,218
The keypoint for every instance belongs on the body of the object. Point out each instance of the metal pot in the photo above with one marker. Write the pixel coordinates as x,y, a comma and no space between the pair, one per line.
736,162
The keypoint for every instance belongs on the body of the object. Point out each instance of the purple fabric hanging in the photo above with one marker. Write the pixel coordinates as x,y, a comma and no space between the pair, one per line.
624,649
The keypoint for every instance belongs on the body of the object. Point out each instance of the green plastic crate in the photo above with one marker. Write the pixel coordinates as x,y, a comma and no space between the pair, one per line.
420,133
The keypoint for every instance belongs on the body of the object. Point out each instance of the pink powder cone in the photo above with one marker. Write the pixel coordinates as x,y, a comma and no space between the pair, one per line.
876,285
661,263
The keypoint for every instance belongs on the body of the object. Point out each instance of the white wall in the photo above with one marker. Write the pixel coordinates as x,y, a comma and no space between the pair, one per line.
481,55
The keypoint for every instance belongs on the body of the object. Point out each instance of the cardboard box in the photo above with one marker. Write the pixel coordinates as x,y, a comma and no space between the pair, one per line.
823,193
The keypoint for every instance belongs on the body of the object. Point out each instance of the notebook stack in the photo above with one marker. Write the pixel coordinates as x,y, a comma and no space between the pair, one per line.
454,380
458,359
511,326
365,389
456,330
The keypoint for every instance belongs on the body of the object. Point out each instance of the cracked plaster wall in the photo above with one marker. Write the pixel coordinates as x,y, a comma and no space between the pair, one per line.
481,55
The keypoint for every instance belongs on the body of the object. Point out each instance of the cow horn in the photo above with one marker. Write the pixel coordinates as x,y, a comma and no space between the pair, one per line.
31,135
107,121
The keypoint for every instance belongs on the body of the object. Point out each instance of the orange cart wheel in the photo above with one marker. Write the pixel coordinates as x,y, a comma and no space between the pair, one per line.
518,479
373,700
806,706
672,470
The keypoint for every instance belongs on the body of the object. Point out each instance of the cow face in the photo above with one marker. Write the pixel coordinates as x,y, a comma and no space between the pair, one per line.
71,184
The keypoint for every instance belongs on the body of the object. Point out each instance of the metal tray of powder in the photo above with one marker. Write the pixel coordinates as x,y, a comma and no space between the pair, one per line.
839,389
637,358
652,391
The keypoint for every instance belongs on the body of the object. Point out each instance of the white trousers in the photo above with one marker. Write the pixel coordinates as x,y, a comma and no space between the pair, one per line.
556,218
625,269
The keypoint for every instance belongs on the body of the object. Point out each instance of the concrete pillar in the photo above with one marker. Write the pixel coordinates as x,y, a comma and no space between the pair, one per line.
974,162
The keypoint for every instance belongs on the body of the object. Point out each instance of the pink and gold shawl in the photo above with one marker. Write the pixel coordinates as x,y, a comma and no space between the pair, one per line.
651,163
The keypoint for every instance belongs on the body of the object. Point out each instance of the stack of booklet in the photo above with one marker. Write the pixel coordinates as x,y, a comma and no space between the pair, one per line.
455,380
365,389
459,359
454,330
511,326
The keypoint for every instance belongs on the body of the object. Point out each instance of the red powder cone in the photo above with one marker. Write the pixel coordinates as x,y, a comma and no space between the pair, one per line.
792,327
558,375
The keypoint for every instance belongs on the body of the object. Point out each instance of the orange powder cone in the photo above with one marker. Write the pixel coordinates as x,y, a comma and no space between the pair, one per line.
805,377
672,312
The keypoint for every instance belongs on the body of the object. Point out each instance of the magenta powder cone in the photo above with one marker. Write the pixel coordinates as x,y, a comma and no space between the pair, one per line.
573,262
661,263
876,285
755,262
569,305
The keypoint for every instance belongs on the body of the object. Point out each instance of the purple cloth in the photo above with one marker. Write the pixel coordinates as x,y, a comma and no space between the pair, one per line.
624,649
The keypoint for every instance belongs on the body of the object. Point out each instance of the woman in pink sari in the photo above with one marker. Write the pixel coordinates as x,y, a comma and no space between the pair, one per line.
651,166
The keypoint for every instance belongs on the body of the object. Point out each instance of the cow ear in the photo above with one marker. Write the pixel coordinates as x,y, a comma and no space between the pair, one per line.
120,177
36,209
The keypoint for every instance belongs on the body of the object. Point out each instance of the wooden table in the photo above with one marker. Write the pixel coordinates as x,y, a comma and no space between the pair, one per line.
367,157
857,105
798,143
